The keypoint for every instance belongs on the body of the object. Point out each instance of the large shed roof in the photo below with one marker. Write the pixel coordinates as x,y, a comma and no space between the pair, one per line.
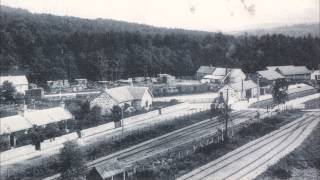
270,74
13,124
47,116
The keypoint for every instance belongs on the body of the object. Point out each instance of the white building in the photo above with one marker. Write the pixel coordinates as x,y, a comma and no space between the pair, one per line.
19,82
293,73
219,76
241,90
137,97
315,75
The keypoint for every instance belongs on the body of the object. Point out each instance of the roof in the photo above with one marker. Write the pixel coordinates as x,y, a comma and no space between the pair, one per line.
47,116
15,80
316,72
127,93
291,70
137,92
212,77
249,84
270,74
13,124
206,69
107,170
219,72
275,67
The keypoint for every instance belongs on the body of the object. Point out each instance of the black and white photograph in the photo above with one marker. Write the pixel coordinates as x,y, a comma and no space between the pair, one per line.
160,89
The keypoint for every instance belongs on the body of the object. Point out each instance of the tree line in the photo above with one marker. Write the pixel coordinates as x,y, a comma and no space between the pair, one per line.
50,47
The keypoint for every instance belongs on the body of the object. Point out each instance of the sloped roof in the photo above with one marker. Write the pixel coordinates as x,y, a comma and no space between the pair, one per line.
206,69
212,77
275,67
316,72
106,170
120,94
13,124
127,93
249,84
219,72
270,74
15,80
137,92
47,116
290,70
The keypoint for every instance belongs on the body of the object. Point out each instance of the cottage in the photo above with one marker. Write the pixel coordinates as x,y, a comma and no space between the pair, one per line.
203,71
241,90
293,73
19,82
219,75
265,79
137,97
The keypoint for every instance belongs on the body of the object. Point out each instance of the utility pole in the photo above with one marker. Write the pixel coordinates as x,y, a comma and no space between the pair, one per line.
226,116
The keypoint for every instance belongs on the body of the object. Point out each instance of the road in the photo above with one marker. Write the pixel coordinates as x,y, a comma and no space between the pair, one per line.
250,160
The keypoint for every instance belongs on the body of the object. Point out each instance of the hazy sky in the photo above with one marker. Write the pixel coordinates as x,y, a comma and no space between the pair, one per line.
210,15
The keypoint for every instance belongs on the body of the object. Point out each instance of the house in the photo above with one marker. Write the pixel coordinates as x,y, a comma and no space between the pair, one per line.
293,73
137,97
165,78
203,71
241,90
315,75
219,76
265,79
20,82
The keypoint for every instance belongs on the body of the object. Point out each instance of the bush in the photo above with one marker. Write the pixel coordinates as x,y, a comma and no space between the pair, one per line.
280,173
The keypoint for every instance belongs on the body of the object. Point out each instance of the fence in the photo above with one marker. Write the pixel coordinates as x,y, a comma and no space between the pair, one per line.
151,118
294,94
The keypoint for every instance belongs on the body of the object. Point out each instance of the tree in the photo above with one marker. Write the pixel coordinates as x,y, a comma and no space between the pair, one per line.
116,113
72,161
280,91
37,136
8,92
52,131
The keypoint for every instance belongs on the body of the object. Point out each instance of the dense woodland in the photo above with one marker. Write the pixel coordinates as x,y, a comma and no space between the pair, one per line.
51,47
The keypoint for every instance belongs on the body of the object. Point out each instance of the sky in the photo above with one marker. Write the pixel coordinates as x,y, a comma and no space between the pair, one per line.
207,15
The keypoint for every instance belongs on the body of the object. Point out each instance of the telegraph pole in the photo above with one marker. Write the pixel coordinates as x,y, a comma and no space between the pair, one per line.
226,116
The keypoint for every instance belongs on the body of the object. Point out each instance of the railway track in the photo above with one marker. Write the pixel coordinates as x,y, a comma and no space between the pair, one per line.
195,130
168,141
210,170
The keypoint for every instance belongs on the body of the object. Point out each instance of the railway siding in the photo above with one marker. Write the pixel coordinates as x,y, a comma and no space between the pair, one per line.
260,153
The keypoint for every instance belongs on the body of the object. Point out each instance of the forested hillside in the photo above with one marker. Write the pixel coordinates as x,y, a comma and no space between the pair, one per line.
47,47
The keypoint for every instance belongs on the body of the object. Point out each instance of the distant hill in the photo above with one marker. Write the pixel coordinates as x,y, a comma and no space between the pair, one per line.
73,24
298,30
48,47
